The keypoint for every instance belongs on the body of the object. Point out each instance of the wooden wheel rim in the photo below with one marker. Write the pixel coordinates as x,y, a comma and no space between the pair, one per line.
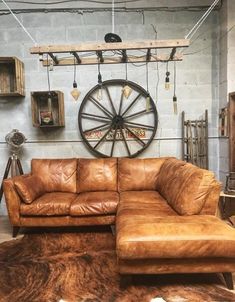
115,119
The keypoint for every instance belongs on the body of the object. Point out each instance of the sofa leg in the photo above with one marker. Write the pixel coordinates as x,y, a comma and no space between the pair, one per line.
125,281
228,278
15,231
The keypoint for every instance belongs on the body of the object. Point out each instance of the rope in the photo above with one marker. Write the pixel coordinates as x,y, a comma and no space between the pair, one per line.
200,21
25,30
113,16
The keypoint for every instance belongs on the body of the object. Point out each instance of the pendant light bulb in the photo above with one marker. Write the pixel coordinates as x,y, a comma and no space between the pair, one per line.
175,104
75,92
167,81
148,104
100,93
127,90
100,89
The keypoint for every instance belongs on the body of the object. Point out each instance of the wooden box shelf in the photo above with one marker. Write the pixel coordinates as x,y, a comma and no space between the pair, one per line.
11,77
45,101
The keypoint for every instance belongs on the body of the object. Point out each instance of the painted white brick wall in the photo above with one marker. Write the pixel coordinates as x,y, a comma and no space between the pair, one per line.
197,78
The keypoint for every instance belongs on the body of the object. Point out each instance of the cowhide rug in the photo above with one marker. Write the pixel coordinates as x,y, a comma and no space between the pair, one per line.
68,266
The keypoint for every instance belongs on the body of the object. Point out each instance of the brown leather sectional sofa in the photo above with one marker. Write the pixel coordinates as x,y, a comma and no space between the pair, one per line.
164,210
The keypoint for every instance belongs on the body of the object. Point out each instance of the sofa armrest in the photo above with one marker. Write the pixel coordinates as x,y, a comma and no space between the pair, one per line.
12,199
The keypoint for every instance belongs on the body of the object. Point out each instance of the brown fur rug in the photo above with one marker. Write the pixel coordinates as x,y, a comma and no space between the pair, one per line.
68,266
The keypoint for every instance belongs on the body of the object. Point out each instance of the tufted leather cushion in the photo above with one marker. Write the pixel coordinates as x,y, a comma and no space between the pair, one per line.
29,187
138,174
185,186
97,174
95,203
58,175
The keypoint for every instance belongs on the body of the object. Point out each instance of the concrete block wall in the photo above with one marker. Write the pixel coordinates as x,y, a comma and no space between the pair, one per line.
197,78
227,73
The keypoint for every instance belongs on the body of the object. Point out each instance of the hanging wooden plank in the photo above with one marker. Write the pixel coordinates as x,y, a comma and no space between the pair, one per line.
88,47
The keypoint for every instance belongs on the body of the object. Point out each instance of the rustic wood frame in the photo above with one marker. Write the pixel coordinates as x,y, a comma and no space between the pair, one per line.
58,108
119,52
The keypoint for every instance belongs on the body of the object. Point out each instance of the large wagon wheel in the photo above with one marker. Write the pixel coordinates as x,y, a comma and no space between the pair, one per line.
108,124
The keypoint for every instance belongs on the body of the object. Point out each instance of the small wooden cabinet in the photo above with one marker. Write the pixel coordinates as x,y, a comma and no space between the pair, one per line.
47,109
11,77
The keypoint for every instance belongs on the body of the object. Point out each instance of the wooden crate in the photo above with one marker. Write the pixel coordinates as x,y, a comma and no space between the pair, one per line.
39,103
11,77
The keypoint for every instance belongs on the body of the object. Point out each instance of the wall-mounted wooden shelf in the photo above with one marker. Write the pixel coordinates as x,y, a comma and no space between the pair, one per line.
111,53
43,102
11,77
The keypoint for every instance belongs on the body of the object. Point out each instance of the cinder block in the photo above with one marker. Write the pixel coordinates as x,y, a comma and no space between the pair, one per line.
37,20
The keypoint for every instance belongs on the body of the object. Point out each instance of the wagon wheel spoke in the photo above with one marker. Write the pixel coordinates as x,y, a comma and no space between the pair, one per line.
114,141
121,101
103,137
110,100
138,113
125,141
95,117
131,104
136,137
138,125
97,127
101,107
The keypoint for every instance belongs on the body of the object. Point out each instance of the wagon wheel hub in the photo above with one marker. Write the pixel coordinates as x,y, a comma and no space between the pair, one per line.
118,121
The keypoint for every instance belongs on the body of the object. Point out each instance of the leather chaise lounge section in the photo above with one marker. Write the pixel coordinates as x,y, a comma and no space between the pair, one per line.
164,210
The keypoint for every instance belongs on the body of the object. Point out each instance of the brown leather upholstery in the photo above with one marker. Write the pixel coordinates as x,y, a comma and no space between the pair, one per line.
185,186
29,187
138,174
151,236
174,237
58,175
95,203
12,201
143,203
50,204
176,266
52,221
97,175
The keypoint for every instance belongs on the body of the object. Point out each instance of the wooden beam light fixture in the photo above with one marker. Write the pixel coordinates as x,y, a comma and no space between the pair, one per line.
121,52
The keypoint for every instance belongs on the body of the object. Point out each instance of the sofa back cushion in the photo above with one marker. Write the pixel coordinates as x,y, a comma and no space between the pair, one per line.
97,174
29,187
185,186
138,174
58,175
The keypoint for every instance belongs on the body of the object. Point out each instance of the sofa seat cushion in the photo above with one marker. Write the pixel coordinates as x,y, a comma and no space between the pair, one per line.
49,204
152,237
95,203
143,203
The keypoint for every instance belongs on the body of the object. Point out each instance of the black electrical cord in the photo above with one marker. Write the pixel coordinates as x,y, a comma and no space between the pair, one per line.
48,76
